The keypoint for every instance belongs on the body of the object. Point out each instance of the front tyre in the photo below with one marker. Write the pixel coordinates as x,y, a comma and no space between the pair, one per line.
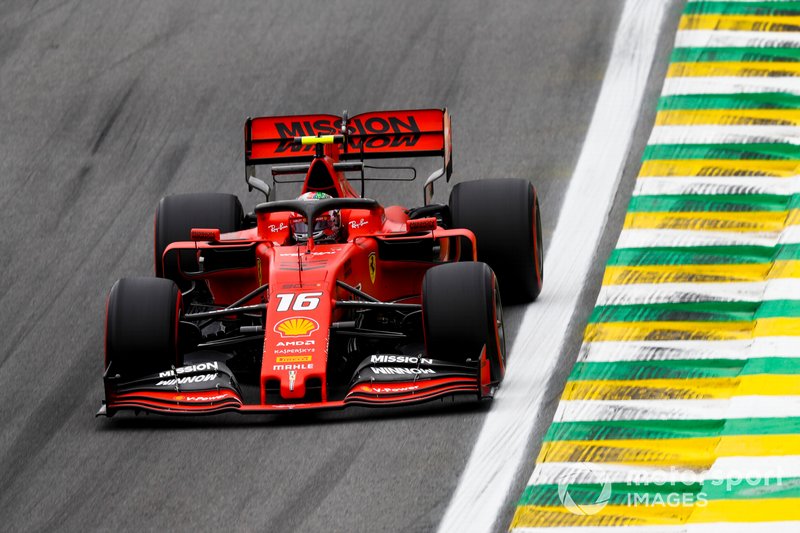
462,313
142,326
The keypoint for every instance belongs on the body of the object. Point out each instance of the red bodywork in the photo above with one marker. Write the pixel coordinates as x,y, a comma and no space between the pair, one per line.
302,278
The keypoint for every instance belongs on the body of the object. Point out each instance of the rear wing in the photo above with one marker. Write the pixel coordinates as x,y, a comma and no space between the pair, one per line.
378,134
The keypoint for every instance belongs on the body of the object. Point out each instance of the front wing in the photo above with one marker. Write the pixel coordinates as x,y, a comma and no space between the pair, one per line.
209,388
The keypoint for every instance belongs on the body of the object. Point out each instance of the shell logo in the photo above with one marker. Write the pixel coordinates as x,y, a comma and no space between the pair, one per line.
296,327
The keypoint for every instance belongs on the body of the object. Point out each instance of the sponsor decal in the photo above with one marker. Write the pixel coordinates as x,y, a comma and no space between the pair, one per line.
187,379
384,370
284,351
361,223
396,389
372,262
296,343
389,132
275,228
400,359
296,366
182,398
292,377
293,359
329,252
306,301
201,367
297,326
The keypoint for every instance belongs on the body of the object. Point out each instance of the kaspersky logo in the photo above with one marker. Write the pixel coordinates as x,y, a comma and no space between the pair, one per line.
296,327
596,499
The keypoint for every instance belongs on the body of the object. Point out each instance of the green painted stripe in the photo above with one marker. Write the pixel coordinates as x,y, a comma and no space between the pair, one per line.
698,55
737,489
669,429
712,203
684,369
665,494
700,311
730,101
588,493
743,8
703,255
768,151
696,311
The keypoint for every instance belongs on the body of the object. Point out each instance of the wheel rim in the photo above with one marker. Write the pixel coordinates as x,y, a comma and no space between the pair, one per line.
499,325
539,253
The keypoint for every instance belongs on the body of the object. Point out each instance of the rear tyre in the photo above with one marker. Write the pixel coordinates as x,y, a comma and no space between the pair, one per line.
462,313
177,214
504,216
142,326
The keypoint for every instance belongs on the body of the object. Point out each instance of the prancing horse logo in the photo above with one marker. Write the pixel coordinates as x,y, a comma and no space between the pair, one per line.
373,264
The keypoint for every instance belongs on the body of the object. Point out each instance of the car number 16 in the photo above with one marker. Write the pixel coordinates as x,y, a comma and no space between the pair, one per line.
306,301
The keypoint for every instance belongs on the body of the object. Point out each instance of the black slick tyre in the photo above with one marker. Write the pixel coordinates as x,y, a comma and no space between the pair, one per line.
462,313
504,216
177,214
142,317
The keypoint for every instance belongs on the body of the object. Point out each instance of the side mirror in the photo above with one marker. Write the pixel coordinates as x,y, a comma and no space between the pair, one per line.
255,183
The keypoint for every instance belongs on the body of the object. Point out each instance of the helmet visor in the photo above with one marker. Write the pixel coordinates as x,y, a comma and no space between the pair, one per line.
323,225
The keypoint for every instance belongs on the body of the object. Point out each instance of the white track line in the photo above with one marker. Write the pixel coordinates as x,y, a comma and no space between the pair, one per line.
498,456
611,352
655,238
737,291
735,407
725,38
777,466
716,185
724,134
729,85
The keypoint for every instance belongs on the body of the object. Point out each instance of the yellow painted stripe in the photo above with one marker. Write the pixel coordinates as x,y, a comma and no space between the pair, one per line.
688,453
755,510
777,327
737,221
729,117
719,167
734,68
665,331
785,269
683,389
627,275
672,331
740,22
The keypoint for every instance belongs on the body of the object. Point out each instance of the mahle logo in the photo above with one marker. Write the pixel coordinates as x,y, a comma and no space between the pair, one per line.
603,495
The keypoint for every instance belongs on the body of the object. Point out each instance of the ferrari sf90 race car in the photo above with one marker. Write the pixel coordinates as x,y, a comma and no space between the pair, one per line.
330,299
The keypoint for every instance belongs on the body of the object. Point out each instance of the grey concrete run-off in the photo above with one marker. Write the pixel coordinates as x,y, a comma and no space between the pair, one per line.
107,106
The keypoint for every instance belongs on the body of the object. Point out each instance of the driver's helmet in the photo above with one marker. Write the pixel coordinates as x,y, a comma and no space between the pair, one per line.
326,226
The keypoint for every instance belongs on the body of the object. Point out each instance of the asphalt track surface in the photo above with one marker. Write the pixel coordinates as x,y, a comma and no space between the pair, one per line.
107,106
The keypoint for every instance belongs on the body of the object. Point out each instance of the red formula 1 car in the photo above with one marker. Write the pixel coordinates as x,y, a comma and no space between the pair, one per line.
331,299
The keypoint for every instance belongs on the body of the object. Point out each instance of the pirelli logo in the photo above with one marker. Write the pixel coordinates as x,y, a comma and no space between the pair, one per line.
293,359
